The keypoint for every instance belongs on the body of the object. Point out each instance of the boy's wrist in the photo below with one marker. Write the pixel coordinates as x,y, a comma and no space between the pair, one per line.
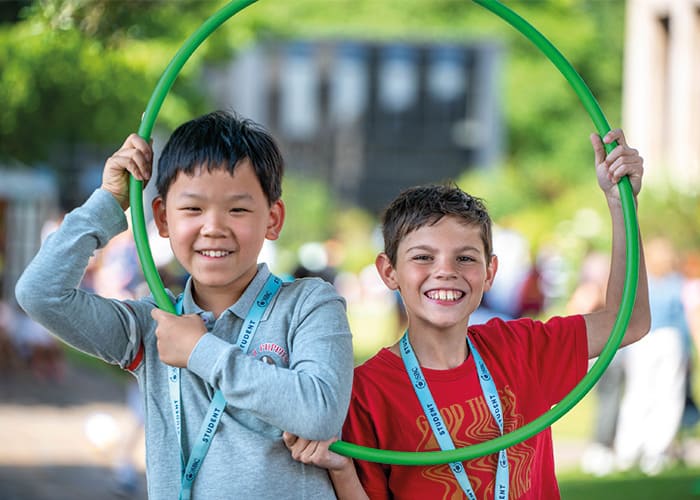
346,470
615,202
123,201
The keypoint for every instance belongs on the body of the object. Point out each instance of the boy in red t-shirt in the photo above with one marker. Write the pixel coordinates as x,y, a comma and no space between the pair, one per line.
432,390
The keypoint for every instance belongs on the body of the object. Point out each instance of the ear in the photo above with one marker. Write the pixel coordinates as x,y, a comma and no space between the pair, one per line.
275,220
159,216
491,273
386,271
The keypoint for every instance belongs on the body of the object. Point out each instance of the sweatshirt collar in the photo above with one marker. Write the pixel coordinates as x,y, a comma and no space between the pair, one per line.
241,307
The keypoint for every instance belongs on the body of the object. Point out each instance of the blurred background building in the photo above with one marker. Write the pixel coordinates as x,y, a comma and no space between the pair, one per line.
27,200
661,93
371,119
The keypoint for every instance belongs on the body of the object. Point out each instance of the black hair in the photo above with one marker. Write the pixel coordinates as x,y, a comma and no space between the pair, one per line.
221,139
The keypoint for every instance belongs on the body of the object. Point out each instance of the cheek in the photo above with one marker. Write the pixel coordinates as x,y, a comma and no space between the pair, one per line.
182,230
413,282
250,231
478,277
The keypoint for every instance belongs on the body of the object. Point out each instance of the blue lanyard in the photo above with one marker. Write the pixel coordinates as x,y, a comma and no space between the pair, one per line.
432,414
217,406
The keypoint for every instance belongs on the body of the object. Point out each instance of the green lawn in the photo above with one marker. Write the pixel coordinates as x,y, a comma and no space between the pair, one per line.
678,484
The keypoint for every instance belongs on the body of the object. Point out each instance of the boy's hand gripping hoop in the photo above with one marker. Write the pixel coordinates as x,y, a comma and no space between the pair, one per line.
631,233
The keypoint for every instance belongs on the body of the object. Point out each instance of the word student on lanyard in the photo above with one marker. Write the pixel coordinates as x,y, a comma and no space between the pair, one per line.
432,413
217,406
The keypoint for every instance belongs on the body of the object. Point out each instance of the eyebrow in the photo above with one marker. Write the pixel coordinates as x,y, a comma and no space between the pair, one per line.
465,248
232,197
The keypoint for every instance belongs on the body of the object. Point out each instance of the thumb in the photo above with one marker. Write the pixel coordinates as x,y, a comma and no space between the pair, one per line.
289,439
158,314
598,149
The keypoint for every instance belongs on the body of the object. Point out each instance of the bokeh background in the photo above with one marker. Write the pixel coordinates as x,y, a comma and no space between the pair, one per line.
366,97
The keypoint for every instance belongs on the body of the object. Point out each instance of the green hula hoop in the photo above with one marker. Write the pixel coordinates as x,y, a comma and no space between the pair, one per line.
631,232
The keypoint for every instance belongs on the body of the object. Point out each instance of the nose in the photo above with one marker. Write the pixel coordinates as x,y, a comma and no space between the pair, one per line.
445,268
213,226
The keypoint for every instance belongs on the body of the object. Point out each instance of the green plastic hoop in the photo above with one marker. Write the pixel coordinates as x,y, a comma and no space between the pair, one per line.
628,208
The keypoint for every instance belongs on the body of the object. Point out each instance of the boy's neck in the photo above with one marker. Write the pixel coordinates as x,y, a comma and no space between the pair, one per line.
214,302
437,350
218,299
215,307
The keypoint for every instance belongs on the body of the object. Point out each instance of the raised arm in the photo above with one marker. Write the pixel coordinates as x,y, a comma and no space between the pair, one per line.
48,289
610,169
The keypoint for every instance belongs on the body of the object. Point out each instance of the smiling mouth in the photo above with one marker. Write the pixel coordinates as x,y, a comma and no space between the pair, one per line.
214,253
445,295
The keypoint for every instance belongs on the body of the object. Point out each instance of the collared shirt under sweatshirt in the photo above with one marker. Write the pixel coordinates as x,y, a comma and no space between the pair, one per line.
296,376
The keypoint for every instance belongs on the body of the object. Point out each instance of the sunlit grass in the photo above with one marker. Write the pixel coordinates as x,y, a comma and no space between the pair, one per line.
680,483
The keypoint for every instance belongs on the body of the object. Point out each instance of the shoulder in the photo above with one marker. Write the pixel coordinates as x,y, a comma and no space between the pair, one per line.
384,364
313,289
525,325
311,283
310,304
526,330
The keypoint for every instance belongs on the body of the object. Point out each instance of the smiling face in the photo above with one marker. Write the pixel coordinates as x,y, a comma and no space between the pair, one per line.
442,272
217,224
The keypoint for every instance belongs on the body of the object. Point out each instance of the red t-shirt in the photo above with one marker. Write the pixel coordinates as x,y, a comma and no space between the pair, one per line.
534,365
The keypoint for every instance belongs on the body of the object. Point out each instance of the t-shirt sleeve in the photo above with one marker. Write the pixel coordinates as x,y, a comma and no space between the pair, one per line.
552,356
559,353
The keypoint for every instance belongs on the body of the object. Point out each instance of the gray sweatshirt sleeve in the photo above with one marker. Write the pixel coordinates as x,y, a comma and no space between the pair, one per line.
309,398
48,288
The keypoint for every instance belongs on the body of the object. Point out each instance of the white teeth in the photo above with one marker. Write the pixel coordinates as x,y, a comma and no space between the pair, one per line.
449,295
214,253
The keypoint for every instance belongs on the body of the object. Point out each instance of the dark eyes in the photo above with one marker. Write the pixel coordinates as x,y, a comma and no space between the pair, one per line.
428,258
466,258
198,210
422,257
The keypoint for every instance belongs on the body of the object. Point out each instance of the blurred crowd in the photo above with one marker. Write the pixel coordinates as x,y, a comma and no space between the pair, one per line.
645,399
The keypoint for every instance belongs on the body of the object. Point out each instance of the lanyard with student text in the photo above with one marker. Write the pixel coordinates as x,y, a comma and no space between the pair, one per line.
218,404
432,414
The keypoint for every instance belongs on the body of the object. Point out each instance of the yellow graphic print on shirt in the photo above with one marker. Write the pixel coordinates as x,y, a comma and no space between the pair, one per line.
472,423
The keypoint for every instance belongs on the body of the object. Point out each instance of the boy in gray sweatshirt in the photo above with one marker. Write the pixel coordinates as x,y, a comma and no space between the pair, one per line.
247,357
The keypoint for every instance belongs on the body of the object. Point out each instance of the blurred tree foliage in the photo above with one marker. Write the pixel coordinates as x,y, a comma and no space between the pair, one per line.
81,71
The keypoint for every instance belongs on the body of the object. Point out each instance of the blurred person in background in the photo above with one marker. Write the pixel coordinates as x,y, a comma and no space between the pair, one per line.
520,292
314,262
690,295
25,344
654,397
114,272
